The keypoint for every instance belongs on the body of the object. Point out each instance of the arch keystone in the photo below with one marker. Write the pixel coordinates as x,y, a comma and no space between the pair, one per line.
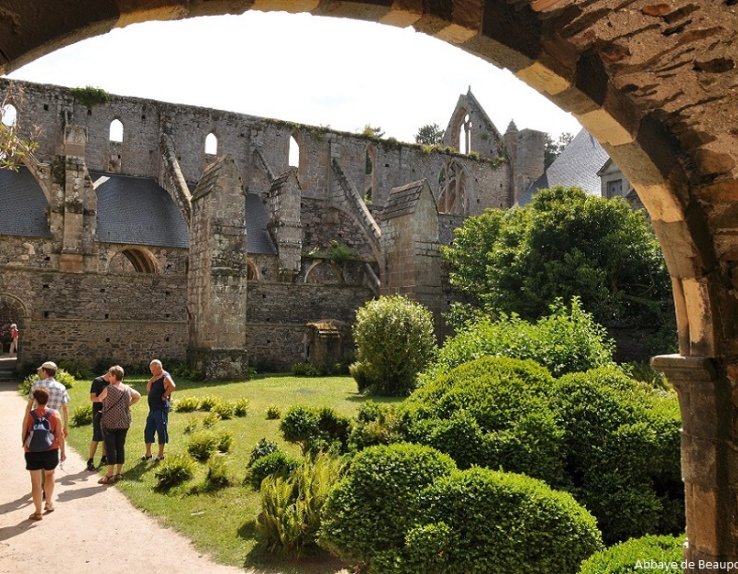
291,6
135,15
605,128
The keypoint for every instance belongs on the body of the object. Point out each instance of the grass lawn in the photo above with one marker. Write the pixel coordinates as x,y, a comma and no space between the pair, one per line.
221,523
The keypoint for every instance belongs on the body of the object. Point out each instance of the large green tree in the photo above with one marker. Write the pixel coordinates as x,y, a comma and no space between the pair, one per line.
565,243
429,134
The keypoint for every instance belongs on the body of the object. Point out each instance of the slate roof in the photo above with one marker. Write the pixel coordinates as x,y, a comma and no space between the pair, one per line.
137,210
23,206
576,166
258,239
403,200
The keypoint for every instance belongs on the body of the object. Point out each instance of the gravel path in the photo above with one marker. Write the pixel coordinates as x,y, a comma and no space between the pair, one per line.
94,528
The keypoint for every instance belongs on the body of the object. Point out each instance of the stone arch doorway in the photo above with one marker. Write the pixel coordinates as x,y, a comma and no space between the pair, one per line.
653,82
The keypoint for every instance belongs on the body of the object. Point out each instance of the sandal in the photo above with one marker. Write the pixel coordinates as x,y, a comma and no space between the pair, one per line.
159,458
49,509
106,480
117,477
146,457
36,516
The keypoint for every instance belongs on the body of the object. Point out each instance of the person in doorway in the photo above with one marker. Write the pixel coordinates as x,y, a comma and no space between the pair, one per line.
42,436
58,396
14,333
159,388
115,421
97,387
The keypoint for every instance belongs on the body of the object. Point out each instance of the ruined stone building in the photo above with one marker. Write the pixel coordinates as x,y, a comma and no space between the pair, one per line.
141,228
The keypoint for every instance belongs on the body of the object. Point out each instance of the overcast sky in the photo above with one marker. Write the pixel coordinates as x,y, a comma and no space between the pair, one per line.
296,67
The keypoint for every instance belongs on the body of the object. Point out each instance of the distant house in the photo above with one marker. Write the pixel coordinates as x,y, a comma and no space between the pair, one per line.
585,164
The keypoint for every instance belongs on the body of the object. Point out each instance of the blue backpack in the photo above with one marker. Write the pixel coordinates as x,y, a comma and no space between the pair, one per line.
40,438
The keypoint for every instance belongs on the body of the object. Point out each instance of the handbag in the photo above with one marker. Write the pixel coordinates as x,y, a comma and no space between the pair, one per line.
109,411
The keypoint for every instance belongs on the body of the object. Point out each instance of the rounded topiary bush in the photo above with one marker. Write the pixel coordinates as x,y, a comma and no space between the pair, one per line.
376,503
480,520
637,555
315,429
394,341
276,463
623,454
491,412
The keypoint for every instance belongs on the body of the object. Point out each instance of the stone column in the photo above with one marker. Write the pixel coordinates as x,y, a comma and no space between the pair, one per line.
707,399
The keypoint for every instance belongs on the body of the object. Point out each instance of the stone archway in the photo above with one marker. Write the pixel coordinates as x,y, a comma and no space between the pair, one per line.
653,82
12,310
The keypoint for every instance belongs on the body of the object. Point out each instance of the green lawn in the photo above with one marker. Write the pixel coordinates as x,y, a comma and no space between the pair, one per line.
221,524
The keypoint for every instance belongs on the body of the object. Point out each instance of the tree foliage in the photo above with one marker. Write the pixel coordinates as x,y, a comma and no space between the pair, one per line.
565,243
552,149
429,134
14,147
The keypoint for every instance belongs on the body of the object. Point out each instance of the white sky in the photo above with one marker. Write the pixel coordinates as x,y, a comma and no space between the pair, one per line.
297,67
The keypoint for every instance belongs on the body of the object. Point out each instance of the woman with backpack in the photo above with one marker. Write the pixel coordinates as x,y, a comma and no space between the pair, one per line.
43,442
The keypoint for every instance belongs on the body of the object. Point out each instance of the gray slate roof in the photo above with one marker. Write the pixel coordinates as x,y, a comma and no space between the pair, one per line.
403,200
258,239
576,166
137,210
23,206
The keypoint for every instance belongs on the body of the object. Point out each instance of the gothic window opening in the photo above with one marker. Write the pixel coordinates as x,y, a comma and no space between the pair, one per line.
369,180
9,115
252,272
211,144
451,189
294,153
465,130
116,131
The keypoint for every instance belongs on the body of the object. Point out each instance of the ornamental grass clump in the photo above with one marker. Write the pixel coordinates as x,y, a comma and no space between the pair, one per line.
82,415
174,471
202,445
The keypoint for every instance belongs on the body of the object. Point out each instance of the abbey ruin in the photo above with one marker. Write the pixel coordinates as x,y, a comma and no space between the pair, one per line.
142,228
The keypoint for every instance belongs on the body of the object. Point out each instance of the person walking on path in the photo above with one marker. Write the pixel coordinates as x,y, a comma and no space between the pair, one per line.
14,334
159,388
58,396
97,387
43,442
115,421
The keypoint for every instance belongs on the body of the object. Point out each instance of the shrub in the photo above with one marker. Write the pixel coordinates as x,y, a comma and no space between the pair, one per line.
202,445
224,410
186,404
315,428
376,503
262,448
77,368
566,341
273,412
291,507
241,407
217,475
82,415
305,370
480,520
210,420
622,443
208,402
174,471
491,412
376,424
191,427
274,464
394,342
224,441
634,556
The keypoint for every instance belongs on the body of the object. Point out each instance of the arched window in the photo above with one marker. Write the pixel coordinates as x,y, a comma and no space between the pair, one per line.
116,131
133,261
294,154
252,272
211,144
465,135
451,189
9,115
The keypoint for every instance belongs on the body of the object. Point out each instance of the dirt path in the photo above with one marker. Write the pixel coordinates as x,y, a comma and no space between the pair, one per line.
94,528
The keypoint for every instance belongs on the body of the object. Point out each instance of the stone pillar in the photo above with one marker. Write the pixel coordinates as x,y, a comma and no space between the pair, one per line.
216,284
707,399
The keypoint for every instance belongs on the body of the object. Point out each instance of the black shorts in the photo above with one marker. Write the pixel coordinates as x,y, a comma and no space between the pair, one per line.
97,434
45,460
